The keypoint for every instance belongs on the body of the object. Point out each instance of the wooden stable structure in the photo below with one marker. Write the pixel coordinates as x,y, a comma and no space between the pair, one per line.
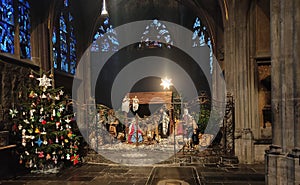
164,97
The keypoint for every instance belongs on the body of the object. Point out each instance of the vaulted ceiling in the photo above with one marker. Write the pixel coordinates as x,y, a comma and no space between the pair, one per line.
87,13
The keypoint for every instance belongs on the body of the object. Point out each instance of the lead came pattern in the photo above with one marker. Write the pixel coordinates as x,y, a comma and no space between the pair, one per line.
7,26
201,38
24,24
64,42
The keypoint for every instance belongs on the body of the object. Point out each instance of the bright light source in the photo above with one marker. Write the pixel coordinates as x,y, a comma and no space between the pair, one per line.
104,11
166,83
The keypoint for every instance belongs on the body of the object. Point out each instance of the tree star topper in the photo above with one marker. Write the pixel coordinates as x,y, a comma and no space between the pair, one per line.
166,83
44,81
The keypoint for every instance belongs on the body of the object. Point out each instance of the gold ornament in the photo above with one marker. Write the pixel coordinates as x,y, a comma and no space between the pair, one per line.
37,130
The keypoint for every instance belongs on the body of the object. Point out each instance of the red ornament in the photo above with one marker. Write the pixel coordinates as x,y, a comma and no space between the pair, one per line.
44,122
75,159
15,127
41,155
57,124
50,142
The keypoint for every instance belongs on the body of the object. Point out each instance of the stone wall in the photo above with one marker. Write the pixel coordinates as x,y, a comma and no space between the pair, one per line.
247,65
13,78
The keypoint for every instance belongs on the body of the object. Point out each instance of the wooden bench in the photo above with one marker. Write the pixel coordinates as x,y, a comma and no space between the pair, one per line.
7,147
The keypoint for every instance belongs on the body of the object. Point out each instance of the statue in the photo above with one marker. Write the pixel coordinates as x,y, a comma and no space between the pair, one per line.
125,104
135,104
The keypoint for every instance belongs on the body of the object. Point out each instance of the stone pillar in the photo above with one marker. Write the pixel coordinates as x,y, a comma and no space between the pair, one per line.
297,74
81,93
40,48
244,149
282,158
239,77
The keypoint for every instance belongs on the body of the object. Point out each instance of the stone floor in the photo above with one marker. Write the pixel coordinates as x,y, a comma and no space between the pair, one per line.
165,174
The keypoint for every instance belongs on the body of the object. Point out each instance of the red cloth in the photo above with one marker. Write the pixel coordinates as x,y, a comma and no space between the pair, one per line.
133,133
179,128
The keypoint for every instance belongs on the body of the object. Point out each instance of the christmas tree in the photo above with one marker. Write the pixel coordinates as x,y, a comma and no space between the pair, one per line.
44,127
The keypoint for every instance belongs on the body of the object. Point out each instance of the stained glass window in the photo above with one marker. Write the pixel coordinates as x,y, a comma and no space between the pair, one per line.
201,38
156,35
8,27
64,42
105,39
24,27
66,3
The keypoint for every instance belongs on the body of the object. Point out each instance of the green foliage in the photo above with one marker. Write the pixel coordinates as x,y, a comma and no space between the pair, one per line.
203,118
206,115
44,127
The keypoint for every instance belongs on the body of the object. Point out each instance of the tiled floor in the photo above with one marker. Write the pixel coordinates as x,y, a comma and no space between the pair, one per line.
96,174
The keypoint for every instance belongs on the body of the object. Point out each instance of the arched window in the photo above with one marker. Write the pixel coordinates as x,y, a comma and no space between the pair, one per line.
13,15
201,38
105,39
24,27
64,41
156,35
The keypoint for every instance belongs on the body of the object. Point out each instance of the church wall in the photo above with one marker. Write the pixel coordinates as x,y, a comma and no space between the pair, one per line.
262,59
247,72
262,28
259,150
13,78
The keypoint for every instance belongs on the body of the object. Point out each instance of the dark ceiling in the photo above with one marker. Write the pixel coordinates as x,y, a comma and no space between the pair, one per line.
182,12
87,13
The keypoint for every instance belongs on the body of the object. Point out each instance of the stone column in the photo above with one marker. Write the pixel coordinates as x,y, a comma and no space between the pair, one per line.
282,159
239,77
40,48
81,93
296,53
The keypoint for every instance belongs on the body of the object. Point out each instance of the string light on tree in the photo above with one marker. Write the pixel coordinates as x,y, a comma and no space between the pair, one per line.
44,127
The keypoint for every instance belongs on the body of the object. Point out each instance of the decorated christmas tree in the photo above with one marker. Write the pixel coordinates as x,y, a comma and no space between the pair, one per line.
44,127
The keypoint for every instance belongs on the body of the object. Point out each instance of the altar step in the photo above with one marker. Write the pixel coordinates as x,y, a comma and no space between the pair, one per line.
181,158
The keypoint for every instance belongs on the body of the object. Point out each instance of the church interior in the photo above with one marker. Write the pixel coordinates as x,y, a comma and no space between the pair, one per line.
127,81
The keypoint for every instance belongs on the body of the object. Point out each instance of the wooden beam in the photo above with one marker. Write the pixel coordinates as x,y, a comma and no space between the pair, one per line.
164,97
